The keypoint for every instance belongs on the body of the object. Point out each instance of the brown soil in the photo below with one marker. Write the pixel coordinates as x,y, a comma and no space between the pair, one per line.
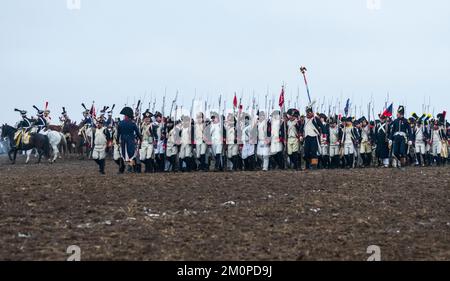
319,215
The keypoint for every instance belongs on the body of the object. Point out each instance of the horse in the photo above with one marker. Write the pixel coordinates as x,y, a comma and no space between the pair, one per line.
63,146
37,141
82,137
76,137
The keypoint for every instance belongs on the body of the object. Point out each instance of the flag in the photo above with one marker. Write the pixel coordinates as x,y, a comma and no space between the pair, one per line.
281,99
388,111
347,106
93,112
235,101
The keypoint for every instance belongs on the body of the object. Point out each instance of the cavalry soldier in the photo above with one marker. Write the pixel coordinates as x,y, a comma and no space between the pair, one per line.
217,140
24,127
110,120
86,123
334,139
324,160
293,138
263,146
128,132
26,123
349,140
199,140
64,118
231,140
103,113
101,138
186,135
400,136
365,148
46,115
420,138
277,138
146,150
41,122
312,131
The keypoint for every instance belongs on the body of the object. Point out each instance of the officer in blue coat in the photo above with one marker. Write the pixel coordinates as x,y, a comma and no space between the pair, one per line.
400,136
128,134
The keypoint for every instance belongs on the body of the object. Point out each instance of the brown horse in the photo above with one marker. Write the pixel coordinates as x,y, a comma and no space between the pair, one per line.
75,141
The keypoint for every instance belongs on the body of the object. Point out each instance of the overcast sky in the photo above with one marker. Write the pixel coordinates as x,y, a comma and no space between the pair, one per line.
112,51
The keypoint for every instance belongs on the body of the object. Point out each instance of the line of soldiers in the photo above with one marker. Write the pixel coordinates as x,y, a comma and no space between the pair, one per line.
243,141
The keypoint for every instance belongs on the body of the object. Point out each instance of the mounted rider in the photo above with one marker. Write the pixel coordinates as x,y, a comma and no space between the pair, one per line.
41,123
23,127
86,123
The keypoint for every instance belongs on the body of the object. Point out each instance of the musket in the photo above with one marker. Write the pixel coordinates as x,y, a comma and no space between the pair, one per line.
303,71
153,106
265,104
192,108
173,103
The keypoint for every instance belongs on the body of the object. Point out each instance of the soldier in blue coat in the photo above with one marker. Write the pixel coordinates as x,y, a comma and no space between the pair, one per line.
128,133
400,136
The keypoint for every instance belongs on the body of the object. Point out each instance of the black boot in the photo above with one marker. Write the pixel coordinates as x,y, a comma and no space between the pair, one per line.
102,166
307,164
419,159
146,166
296,161
217,164
202,161
137,168
327,162
121,165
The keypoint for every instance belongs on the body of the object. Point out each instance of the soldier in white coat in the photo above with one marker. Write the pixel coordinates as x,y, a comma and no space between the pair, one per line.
335,142
276,138
420,139
147,149
186,139
263,146
231,140
173,141
101,137
438,136
249,135
293,138
216,131
349,141
200,141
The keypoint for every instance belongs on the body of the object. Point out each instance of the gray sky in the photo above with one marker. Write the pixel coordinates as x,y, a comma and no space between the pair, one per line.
113,49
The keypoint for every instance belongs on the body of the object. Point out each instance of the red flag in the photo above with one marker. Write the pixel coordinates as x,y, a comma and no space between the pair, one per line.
281,100
388,111
235,101
93,112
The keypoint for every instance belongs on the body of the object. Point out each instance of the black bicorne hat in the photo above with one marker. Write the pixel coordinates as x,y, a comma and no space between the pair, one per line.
401,110
127,111
147,114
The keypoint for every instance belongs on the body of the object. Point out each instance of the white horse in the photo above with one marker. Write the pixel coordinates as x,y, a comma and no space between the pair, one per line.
55,138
